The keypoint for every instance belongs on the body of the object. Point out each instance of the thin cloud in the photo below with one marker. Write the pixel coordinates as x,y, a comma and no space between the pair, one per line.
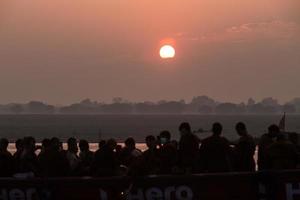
186,36
273,30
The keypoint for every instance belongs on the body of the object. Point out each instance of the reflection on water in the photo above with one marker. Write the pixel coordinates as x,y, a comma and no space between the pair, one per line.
93,146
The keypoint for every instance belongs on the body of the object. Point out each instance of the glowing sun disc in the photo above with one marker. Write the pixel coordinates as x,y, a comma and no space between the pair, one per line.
167,51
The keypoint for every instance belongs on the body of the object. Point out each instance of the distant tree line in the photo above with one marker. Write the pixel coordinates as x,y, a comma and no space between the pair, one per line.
198,105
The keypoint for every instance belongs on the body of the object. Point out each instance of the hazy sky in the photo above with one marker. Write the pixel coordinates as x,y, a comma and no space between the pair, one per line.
61,51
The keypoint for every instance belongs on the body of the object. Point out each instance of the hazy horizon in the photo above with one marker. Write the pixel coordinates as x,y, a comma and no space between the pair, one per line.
124,100
63,51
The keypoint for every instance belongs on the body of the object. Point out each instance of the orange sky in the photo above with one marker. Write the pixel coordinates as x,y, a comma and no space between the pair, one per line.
62,51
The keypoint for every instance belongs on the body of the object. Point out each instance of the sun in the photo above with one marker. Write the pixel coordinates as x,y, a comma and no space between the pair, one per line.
167,51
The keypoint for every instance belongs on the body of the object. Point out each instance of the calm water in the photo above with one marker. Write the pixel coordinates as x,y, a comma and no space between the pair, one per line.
94,127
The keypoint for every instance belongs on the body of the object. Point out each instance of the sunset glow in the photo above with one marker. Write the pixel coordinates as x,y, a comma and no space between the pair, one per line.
61,51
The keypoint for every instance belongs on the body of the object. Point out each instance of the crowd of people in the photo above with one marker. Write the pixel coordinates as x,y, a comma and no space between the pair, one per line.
164,155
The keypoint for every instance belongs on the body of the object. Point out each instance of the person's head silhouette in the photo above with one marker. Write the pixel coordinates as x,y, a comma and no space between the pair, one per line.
217,128
101,143
130,143
151,142
55,144
241,129
29,144
3,144
185,128
46,144
83,145
72,145
273,130
164,137
19,144
111,144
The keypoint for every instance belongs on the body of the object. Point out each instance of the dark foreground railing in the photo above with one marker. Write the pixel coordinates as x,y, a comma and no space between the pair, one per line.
272,185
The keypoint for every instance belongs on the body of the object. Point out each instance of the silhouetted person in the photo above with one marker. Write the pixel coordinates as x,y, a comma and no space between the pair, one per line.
188,147
17,154
19,145
101,144
72,156
282,154
215,152
52,162
168,154
265,141
164,138
6,159
28,159
129,152
105,162
244,150
46,144
150,157
3,146
119,150
86,157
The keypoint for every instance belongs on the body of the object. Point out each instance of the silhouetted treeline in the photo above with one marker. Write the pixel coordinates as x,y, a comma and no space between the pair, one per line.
198,105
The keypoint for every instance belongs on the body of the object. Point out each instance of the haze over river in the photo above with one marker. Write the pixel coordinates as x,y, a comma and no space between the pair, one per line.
94,127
